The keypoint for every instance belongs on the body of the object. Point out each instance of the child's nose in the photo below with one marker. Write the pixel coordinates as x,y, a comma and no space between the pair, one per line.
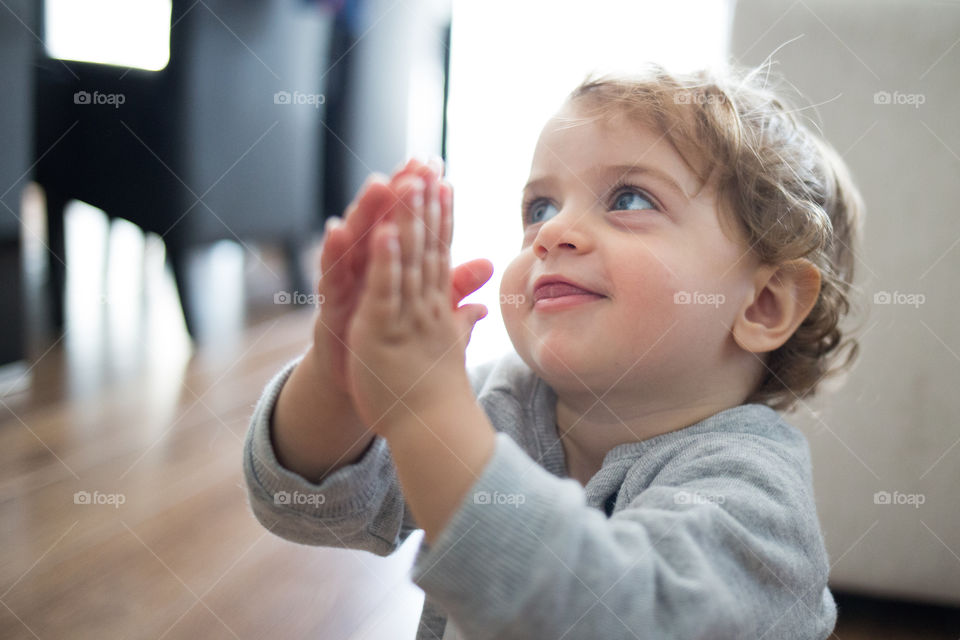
566,231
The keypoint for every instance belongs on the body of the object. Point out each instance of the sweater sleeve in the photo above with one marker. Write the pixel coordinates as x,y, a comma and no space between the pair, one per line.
358,506
690,556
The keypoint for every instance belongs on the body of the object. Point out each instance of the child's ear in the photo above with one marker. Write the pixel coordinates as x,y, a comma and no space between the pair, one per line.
782,296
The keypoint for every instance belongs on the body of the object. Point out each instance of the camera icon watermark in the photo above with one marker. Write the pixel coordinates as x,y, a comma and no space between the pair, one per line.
897,498
85,497
111,99
698,297
896,97
298,498
896,297
285,297
297,97
511,499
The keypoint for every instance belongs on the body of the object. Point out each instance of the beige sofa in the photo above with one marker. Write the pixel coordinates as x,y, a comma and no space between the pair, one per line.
882,79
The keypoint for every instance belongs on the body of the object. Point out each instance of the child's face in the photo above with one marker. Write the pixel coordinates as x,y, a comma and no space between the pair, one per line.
668,281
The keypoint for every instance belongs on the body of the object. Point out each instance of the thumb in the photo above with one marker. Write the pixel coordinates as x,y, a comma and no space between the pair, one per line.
468,277
469,315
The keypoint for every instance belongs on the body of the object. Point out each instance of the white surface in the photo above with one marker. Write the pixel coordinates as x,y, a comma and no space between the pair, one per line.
895,426
130,33
512,64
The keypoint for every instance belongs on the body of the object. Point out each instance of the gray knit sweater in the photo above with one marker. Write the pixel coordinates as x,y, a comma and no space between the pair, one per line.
706,532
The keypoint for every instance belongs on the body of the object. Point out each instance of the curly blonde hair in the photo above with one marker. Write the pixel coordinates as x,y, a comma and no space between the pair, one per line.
786,189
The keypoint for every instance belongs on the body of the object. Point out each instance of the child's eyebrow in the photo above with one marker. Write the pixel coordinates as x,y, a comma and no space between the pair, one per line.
623,170
620,171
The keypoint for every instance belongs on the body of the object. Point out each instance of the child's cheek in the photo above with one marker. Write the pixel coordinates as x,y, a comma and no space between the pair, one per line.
653,303
647,284
513,293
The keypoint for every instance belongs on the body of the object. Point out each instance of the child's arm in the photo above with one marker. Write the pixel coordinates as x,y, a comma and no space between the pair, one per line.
515,552
406,360
717,540
314,474
315,429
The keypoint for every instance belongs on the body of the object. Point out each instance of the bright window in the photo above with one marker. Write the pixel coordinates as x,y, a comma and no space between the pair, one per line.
511,65
129,33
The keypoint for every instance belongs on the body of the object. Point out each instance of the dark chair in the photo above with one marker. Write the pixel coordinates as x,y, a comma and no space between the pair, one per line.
17,46
226,142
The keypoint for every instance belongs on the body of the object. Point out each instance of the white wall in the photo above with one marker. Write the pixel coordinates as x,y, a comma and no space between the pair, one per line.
895,426
512,64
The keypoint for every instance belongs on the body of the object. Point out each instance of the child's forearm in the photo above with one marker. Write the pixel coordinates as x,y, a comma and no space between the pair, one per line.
315,429
439,453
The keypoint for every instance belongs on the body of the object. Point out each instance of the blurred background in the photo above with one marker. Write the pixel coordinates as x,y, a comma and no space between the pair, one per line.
166,167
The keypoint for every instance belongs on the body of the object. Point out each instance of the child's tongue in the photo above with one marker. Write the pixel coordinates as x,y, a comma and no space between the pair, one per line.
558,289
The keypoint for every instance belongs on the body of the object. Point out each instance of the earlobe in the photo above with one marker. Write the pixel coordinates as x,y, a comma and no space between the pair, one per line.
782,297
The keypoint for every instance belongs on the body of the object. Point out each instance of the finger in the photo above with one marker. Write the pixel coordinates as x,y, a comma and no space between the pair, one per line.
444,224
430,173
330,251
468,277
446,206
335,273
401,168
408,214
431,241
472,313
431,198
369,208
468,315
380,300
436,165
369,195
414,169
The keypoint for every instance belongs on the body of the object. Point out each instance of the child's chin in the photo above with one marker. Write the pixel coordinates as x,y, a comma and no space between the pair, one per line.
562,363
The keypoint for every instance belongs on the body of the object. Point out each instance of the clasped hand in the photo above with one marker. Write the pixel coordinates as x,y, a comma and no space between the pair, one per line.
391,317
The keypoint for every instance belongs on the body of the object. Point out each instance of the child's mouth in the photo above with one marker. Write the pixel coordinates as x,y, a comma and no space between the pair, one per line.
559,295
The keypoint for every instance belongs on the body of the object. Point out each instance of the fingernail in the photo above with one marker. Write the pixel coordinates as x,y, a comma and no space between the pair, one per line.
332,223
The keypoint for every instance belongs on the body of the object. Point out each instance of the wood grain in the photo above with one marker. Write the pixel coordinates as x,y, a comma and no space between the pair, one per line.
182,556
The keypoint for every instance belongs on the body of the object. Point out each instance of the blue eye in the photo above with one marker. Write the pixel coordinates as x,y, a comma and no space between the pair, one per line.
630,200
539,211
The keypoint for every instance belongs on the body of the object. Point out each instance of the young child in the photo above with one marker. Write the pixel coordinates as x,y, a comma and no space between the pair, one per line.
686,260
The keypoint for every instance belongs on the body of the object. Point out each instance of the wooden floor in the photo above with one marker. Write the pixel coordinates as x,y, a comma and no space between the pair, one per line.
152,431
121,409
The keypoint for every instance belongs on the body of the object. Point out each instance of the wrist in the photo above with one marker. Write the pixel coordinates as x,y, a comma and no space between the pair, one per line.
314,428
439,455
437,408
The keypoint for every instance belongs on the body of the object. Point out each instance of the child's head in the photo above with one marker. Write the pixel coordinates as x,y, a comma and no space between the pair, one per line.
716,229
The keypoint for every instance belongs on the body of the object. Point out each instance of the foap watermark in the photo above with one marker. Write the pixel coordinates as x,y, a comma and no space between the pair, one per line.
486,497
691,97
698,297
898,297
695,497
298,498
912,499
515,299
897,97
298,97
285,297
85,497
112,99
